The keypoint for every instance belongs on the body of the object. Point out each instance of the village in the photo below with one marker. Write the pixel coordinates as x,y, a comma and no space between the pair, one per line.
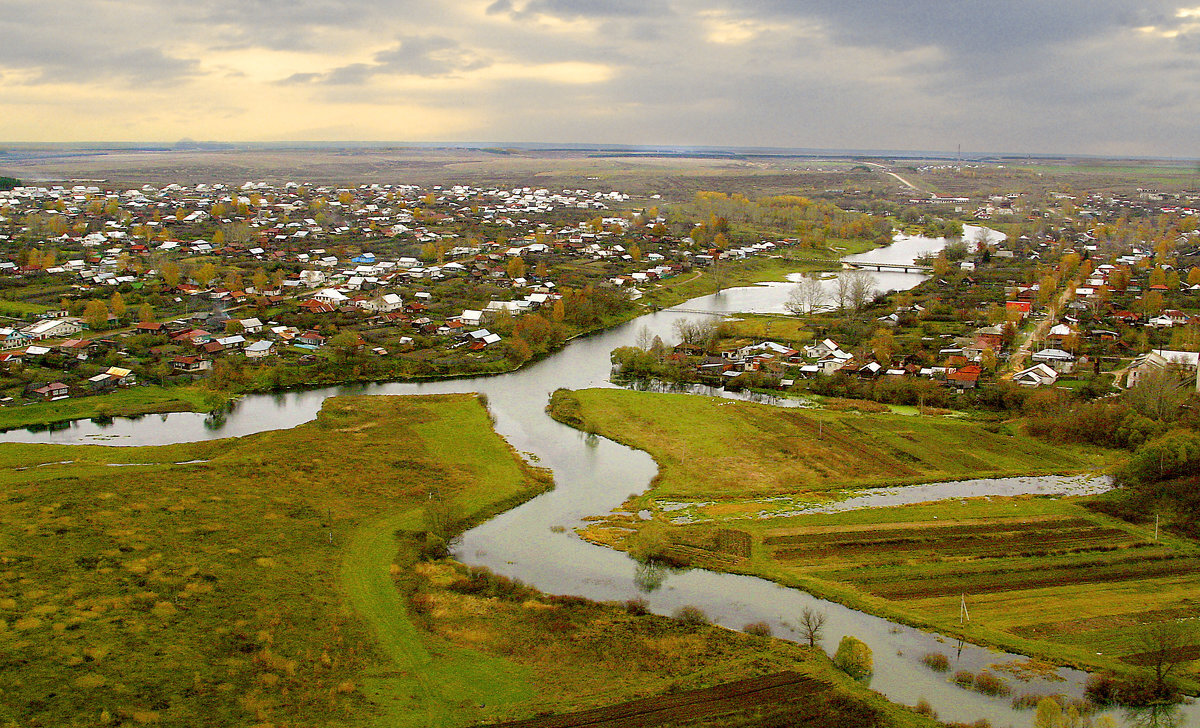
258,287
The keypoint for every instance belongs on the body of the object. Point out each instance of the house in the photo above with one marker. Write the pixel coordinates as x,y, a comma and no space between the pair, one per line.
330,296
966,377
53,328
190,364
1036,376
121,377
310,338
149,327
822,349
259,349
386,303
251,325
54,390
1060,361
1157,359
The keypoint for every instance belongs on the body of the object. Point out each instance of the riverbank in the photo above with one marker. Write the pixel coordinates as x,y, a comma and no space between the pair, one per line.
128,402
279,578
1042,576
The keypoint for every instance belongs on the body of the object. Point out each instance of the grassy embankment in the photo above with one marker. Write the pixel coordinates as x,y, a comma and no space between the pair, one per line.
120,403
270,583
1043,576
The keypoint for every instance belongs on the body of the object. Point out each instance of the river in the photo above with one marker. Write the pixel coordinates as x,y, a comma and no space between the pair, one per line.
593,475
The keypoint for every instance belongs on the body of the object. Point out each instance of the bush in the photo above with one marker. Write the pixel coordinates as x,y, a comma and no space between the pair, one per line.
989,684
758,629
691,615
1101,688
637,606
936,661
924,708
854,657
964,678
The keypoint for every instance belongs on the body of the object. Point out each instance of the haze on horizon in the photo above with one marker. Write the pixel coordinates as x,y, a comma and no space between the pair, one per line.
1060,76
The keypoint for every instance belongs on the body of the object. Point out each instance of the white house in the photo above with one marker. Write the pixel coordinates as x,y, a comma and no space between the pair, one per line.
1036,376
331,296
383,304
53,328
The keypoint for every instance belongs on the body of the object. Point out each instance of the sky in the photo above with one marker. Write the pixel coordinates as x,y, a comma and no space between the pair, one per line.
1107,77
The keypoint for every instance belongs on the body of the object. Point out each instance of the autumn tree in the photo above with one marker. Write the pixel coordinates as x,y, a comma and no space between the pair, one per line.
205,274
96,314
116,304
171,273
145,313
259,280
516,268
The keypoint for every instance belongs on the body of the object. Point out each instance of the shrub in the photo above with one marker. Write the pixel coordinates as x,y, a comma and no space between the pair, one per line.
924,708
964,678
936,661
758,629
854,657
989,684
637,606
1101,688
1026,701
691,615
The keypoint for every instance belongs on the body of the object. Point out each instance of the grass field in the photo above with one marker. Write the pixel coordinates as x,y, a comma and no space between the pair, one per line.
275,580
219,592
711,449
139,400
1042,576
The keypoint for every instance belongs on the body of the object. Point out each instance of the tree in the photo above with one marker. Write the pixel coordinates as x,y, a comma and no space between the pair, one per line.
117,304
558,310
854,658
516,268
96,314
259,280
695,333
883,345
145,312
1194,276
807,296
204,274
812,623
1162,645
860,288
171,273
1158,393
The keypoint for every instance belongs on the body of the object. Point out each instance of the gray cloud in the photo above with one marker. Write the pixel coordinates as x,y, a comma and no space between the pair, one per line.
429,56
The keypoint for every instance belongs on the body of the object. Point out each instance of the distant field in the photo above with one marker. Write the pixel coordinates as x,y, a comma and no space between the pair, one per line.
1043,576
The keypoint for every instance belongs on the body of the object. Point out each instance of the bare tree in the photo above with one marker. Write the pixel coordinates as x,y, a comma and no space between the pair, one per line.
812,623
1158,393
807,296
694,332
843,289
860,288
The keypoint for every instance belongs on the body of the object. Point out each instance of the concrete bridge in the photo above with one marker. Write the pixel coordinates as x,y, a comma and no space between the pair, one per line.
890,267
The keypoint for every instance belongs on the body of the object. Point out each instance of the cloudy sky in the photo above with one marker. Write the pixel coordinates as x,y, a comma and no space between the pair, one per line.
1053,76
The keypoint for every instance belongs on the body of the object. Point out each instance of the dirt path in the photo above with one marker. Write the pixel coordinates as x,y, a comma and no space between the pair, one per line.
1017,361
903,181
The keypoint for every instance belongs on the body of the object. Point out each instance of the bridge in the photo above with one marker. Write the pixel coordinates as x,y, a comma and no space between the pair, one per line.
890,267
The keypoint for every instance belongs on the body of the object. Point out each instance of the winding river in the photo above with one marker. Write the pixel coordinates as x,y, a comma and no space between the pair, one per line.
593,475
